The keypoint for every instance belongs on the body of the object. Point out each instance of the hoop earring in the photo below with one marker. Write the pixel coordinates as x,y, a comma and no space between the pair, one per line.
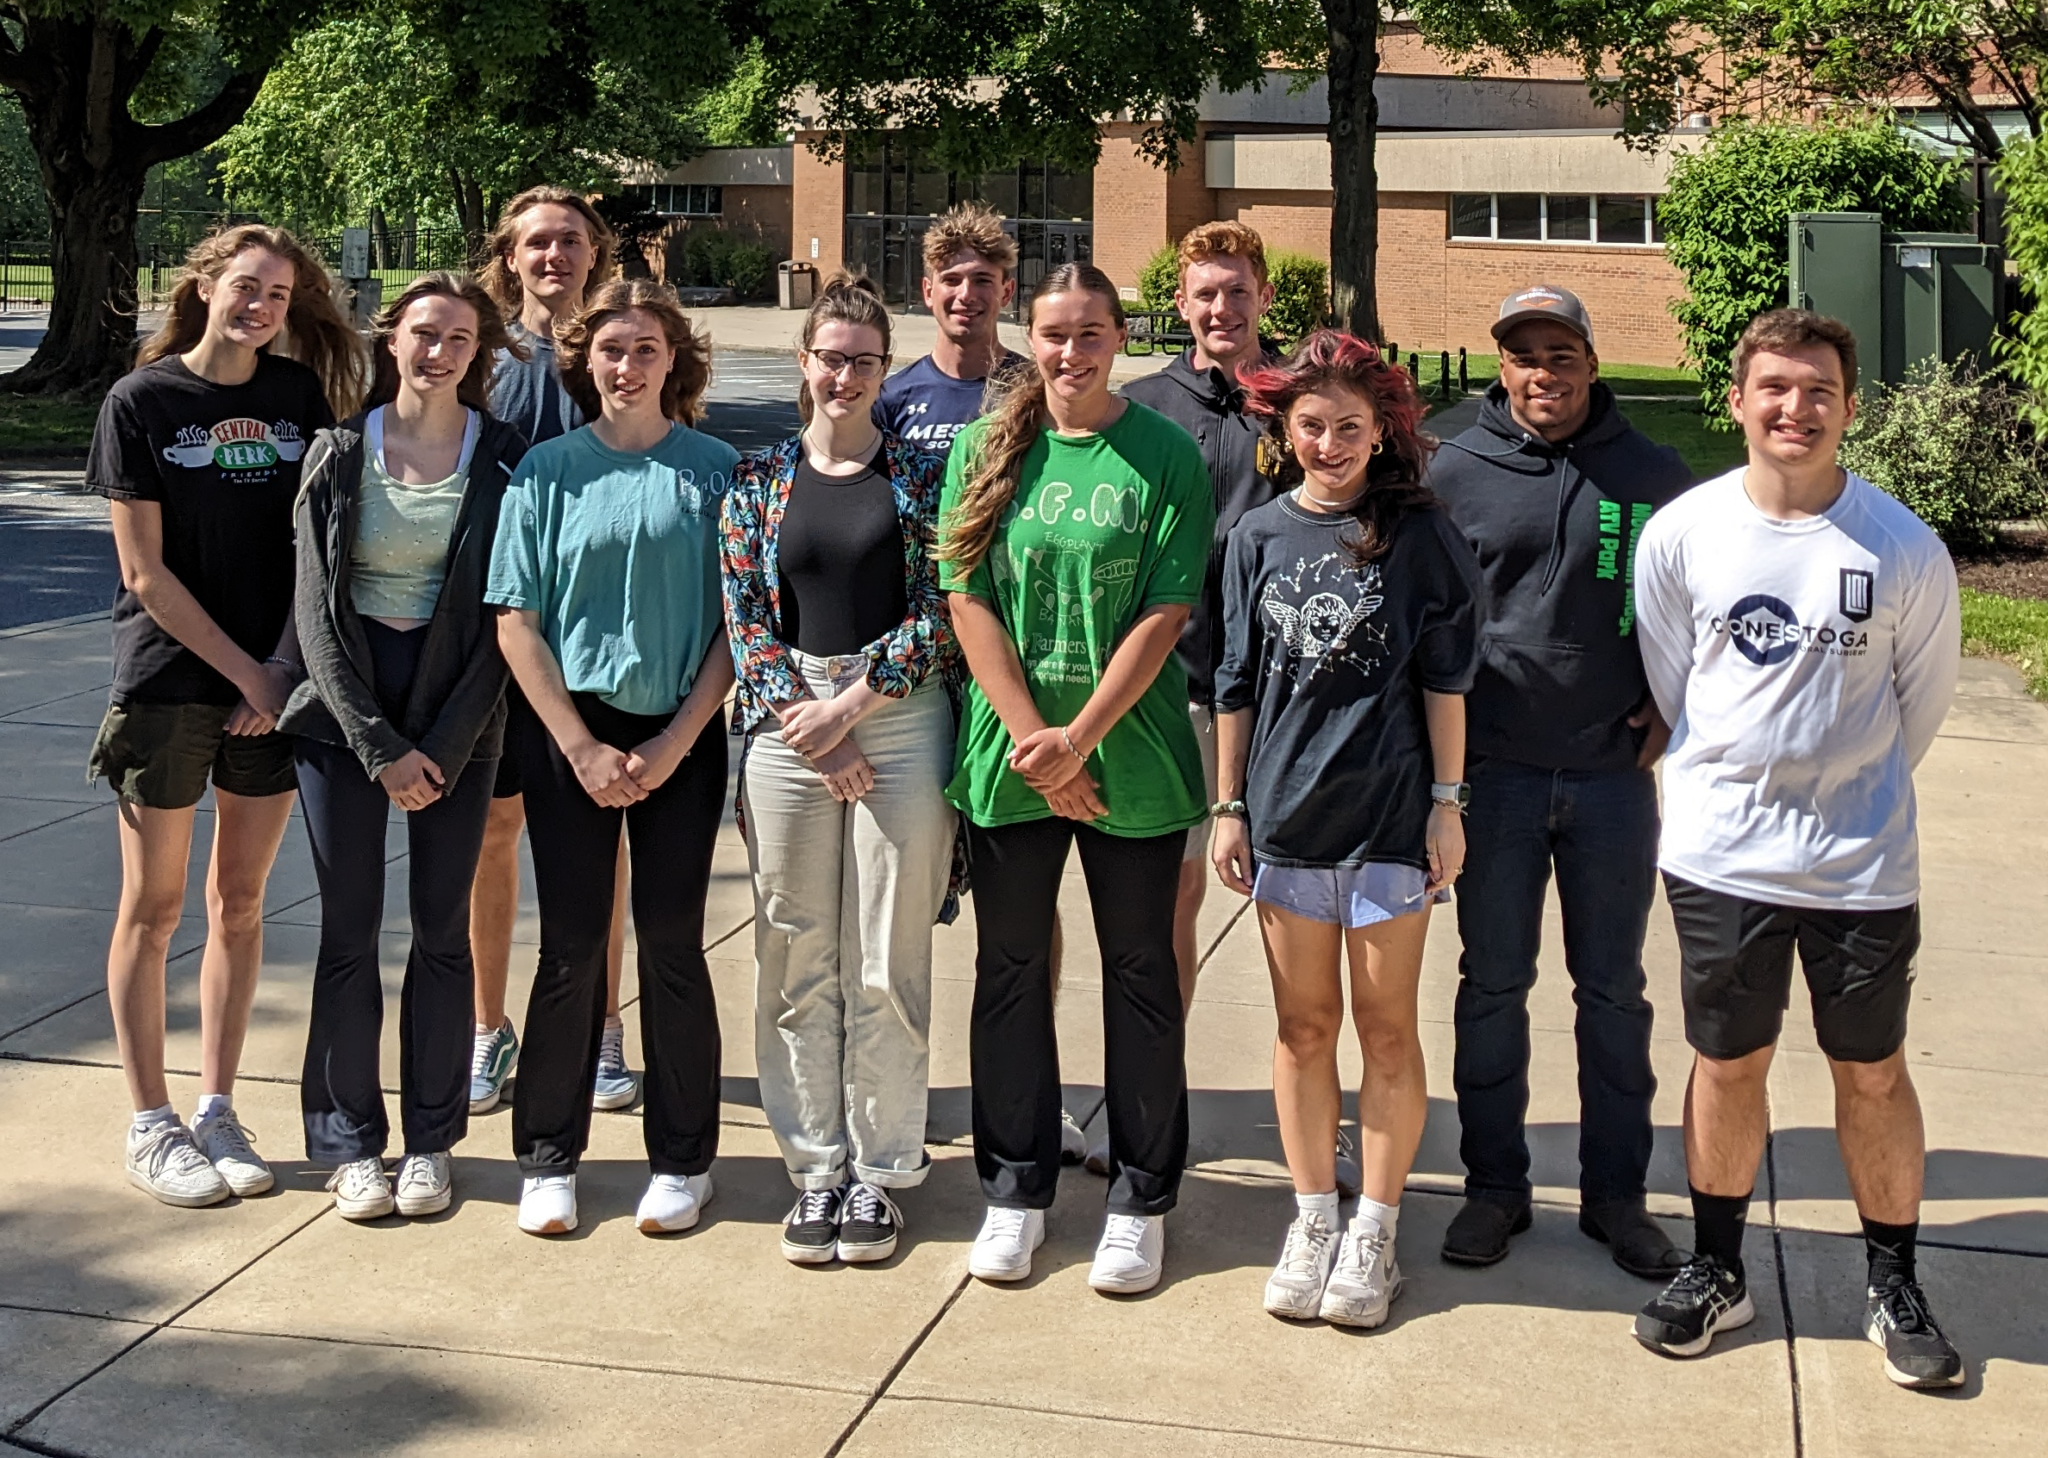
1378,446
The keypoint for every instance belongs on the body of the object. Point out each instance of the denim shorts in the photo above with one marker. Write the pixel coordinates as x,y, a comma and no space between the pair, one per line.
1348,896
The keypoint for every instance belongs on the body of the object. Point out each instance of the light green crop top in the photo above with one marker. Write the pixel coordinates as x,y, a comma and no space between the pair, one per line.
402,531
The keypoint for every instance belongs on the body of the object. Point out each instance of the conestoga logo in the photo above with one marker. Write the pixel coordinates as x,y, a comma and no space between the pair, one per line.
1766,631
1857,592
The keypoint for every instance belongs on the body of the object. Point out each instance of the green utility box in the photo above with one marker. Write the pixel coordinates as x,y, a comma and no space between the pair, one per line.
1907,296
1835,261
1940,299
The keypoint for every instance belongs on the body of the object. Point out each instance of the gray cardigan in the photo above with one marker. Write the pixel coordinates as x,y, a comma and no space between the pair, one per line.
455,709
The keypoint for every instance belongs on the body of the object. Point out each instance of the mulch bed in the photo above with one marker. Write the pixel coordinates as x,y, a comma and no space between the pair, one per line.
2016,567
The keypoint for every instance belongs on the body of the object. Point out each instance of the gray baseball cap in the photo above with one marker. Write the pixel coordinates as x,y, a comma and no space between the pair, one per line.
1544,301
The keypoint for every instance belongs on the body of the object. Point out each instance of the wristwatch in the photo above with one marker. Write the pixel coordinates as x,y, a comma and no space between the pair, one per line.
1456,796
1230,807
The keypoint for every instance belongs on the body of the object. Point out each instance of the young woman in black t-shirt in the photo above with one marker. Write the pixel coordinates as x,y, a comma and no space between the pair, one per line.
1350,616
198,452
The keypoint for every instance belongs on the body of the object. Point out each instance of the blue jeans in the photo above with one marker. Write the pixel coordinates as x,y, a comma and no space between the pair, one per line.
1599,830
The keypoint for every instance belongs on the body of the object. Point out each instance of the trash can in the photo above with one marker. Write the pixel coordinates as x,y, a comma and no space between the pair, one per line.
796,283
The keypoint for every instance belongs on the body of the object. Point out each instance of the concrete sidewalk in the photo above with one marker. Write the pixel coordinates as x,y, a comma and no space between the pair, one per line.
271,1326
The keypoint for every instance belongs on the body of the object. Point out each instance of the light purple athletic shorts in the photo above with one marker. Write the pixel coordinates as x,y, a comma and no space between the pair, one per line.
1349,896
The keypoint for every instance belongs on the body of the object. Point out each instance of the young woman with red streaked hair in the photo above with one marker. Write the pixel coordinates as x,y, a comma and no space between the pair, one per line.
1351,621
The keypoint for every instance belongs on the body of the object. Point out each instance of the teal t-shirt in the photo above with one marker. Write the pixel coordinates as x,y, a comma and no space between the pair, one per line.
1102,527
618,553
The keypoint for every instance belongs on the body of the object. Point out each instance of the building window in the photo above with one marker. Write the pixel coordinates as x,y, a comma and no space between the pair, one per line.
682,199
1555,217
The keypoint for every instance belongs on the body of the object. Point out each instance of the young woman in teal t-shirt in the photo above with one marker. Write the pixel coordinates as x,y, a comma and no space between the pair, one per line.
1075,529
606,562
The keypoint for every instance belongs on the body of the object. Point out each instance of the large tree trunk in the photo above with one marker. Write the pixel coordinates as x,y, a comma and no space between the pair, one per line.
74,77
1354,185
470,212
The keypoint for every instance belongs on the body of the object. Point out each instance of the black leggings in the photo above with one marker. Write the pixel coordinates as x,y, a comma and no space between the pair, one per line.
1132,884
669,836
347,813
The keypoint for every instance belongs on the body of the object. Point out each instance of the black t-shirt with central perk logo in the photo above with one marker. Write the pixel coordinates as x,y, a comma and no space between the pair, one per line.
223,463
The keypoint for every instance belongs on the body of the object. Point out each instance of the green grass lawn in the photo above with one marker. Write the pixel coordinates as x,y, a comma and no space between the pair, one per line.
31,422
2011,628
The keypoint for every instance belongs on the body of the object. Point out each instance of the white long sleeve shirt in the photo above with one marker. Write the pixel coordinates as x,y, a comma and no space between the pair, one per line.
1804,667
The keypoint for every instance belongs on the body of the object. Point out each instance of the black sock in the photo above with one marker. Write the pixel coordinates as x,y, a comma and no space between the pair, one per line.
1717,1222
1889,1248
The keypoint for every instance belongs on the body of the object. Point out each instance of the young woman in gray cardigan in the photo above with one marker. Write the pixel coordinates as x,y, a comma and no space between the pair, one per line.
403,704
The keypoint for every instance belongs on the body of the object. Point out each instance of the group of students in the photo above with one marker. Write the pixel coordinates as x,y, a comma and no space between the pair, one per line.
1242,617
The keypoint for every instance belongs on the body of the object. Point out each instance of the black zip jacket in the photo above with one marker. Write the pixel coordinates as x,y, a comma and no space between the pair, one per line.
1210,407
455,709
1555,527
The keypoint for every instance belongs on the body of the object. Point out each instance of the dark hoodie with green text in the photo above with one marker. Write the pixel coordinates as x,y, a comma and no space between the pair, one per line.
1555,527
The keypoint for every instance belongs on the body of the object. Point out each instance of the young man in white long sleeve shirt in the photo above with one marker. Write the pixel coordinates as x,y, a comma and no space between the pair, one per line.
1800,632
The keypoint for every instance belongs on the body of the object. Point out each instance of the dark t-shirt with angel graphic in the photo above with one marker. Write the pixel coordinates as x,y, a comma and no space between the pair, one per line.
1332,659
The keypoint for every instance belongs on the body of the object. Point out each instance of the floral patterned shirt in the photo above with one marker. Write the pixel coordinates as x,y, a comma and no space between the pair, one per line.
901,659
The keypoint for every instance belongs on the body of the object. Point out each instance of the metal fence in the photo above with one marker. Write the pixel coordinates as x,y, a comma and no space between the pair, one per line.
24,273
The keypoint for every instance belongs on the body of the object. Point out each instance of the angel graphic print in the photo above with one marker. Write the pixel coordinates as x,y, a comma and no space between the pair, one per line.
1332,656
1100,528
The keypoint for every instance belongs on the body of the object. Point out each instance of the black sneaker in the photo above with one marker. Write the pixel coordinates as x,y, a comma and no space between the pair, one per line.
868,1223
810,1235
1916,1354
1705,1297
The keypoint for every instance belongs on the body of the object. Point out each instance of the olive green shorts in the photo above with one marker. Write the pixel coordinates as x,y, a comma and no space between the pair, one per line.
162,755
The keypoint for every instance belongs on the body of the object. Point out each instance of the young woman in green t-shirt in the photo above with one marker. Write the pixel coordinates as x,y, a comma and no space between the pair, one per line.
1074,533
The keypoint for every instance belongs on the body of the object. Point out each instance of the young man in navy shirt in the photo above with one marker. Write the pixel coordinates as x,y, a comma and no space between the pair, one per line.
969,279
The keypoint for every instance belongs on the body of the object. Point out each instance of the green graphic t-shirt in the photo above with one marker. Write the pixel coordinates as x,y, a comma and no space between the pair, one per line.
1103,526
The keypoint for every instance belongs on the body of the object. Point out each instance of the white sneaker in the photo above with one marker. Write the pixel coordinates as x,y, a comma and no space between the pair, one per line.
1131,1255
164,1161
1002,1252
1073,1140
674,1202
1096,1161
1295,1289
361,1192
426,1184
547,1204
1366,1280
225,1143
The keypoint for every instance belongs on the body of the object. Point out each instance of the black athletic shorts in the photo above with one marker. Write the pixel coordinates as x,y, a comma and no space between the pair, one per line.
509,781
1735,972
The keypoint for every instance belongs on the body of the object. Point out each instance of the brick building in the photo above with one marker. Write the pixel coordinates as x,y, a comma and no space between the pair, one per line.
1486,183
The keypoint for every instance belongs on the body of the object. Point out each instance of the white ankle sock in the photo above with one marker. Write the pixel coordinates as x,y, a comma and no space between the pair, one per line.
211,1104
1372,1212
484,1032
616,1020
1323,1205
148,1119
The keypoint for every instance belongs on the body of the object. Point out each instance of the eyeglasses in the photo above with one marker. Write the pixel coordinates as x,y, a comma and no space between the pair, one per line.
865,366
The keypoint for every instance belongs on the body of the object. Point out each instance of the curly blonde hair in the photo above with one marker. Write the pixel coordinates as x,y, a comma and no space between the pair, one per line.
315,333
682,393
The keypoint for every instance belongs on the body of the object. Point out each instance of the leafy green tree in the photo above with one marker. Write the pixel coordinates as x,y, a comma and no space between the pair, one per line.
23,214
370,115
111,88
1727,214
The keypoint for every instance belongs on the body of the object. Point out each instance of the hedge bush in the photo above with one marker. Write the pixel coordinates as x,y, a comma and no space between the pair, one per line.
1301,290
1952,446
713,259
1728,207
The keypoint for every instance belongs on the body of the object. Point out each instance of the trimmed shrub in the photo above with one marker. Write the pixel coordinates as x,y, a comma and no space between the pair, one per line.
1301,290
1953,447
713,259
1729,205
1301,295
1159,278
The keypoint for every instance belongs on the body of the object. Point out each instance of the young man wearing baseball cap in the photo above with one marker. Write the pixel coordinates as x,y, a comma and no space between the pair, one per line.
1801,633
1553,487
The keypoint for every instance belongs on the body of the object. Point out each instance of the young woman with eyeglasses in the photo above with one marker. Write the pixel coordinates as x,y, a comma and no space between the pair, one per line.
843,645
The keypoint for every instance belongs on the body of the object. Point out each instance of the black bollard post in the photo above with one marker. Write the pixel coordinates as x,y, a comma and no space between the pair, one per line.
1464,379
1443,374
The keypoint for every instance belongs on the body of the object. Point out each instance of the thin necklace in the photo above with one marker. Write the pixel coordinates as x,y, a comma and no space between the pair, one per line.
1345,505
859,457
